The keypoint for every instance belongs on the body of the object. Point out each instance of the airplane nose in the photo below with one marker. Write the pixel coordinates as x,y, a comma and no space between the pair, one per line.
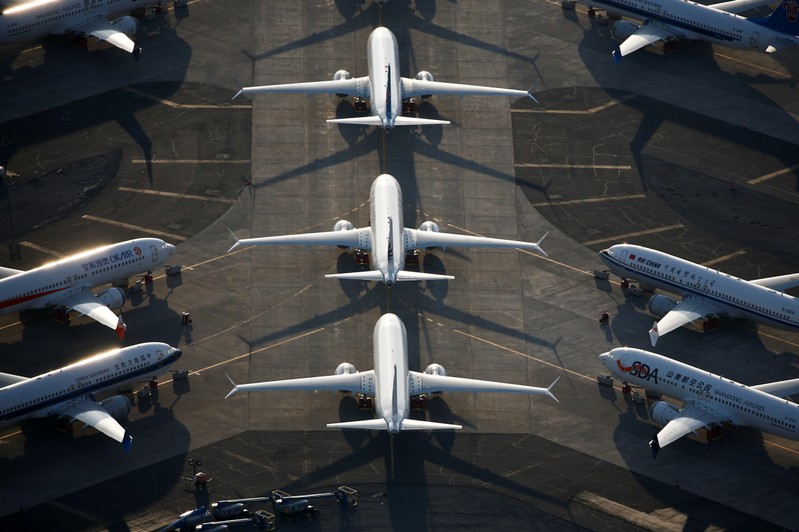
170,248
604,358
177,352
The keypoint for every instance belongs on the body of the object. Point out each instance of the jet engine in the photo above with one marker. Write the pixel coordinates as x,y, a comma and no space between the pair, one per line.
343,225
435,369
661,305
429,226
341,75
622,29
112,298
126,25
662,412
345,368
117,406
424,75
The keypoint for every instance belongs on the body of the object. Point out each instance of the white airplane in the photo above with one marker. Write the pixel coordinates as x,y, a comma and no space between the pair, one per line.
668,20
708,399
69,391
68,282
706,292
391,383
30,20
384,87
385,235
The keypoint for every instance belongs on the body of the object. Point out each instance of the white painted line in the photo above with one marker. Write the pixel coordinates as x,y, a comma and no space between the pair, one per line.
133,227
630,235
40,248
715,261
576,166
176,105
174,195
589,200
191,161
778,173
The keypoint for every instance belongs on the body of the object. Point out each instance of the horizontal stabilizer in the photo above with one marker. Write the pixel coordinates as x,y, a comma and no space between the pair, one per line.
365,424
417,424
370,275
779,388
404,275
413,121
9,272
358,120
780,283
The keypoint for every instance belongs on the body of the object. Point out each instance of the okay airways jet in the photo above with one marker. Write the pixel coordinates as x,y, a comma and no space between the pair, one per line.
22,21
708,399
705,292
716,23
68,283
391,383
384,87
386,239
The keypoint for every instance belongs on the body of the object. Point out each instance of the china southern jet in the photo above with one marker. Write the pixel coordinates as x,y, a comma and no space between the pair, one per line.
69,391
708,400
391,383
667,20
387,239
68,282
22,21
705,292
384,86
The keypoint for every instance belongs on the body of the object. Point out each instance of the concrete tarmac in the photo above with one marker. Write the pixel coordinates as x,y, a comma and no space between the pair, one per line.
645,152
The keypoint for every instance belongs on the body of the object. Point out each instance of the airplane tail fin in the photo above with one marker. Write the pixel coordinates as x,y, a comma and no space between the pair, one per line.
120,328
654,334
127,441
541,241
781,20
549,390
234,246
235,387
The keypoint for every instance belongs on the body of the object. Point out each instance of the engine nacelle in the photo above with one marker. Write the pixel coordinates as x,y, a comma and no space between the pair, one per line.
345,368
622,29
662,412
341,74
227,509
424,75
117,406
435,369
112,298
661,305
429,226
127,25
343,225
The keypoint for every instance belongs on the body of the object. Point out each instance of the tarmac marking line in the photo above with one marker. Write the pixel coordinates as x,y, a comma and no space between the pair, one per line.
176,105
42,249
636,233
593,110
778,173
631,515
589,200
133,227
190,161
576,166
174,194
715,261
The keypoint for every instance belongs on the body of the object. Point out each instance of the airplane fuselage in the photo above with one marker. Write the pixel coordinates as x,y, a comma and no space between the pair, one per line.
22,23
388,248
46,285
738,297
104,372
741,404
384,76
392,397
698,22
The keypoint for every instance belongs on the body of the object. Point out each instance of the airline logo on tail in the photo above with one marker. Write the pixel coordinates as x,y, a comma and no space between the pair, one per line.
791,8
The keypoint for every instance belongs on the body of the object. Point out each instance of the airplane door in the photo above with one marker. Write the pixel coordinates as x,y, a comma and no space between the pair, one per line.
154,251
753,40
623,256
160,357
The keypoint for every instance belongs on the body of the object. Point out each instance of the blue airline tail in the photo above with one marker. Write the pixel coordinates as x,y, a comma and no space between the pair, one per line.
784,19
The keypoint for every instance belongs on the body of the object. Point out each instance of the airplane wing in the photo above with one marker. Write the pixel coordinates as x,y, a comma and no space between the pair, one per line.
9,272
686,311
350,87
423,383
416,239
7,379
86,303
361,382
649,33
93,415
739,6
353,238
103,29
780,283
691,418
779,388
416,87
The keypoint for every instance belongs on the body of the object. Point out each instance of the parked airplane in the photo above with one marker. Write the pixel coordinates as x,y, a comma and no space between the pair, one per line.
68,282
69,391
706,292
667,20
26,21
384,87
708,399
391,383
385,202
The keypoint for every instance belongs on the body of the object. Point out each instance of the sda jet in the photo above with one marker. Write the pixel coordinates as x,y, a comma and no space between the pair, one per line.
387,239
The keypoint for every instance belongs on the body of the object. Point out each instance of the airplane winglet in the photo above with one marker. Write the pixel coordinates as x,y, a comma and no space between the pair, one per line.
549,390
653,334
530,93
235,387
234,246
127,441
654,445
541,241
121,329
617,55
241,88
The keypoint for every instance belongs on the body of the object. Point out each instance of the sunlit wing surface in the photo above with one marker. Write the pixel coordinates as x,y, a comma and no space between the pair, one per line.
779,388
86,303
423,383
361,382
688,310
416,239
690,419
356,238
415,88
649,33
350,87
780,283
102,29
90,413
7,379
9,272
739,6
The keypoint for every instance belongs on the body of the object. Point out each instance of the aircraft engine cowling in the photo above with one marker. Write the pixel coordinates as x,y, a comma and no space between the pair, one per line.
345,368
661,305
126,25
429,226
435,369
112,298
343,225
424,75
341,74
662,412
622,29
117,406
